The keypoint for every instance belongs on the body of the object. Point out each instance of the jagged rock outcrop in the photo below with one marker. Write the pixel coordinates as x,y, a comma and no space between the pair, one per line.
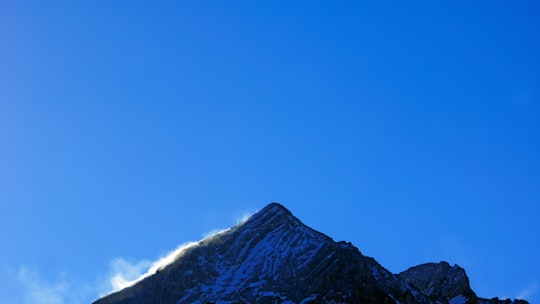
274,258
439,281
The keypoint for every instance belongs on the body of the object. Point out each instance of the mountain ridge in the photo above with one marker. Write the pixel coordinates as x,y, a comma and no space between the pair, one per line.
273,257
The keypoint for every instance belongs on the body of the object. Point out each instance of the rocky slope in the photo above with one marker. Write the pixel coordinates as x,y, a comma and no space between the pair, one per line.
274,258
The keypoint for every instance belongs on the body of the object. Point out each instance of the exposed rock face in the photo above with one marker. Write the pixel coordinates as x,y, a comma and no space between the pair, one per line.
274,258
439,281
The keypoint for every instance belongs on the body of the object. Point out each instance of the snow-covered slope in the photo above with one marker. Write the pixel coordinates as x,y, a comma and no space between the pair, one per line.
274,258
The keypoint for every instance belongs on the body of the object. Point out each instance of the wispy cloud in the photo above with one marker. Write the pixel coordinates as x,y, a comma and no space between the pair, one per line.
528,292
66,289
125,273
39,291
244,217
34,289
238,219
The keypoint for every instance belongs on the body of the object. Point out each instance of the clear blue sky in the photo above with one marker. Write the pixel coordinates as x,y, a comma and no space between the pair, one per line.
129,127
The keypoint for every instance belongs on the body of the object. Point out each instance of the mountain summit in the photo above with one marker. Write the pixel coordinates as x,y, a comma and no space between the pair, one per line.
274,258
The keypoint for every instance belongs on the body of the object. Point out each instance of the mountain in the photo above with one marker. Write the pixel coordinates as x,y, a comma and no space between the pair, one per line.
274,258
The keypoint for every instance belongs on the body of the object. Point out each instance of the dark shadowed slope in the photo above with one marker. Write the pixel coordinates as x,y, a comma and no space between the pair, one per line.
274,258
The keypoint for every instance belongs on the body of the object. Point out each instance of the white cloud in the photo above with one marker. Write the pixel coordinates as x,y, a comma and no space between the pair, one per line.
239,220
125,274
214,232
528,292
245,216
39,291
33,288
66,289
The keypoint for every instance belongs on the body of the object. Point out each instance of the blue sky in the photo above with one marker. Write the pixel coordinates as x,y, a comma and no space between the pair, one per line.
128,128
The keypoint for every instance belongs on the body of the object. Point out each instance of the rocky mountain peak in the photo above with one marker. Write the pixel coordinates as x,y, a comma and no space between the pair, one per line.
272,257
275,207
274,214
